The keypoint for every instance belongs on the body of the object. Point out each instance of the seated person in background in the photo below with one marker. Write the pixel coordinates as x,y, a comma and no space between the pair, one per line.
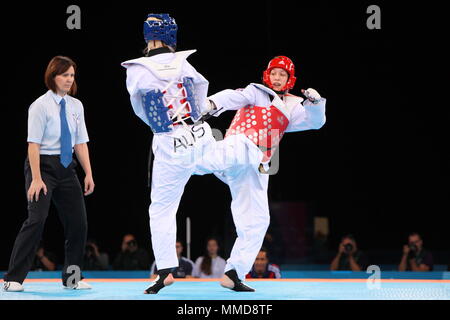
210,265
185,265
131,257
348,256
415,257
262,268
273,245
93,258
44,260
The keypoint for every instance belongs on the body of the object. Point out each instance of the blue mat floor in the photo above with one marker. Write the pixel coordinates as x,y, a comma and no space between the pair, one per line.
265,290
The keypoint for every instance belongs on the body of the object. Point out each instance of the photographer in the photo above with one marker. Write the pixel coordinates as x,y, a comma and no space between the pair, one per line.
131,257
93,258
349,257
415,257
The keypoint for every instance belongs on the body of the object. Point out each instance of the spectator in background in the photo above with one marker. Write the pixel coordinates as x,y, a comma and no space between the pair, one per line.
185,265
210,265
273,245
348,256
93,258
44,260
415,257
131,257
262,268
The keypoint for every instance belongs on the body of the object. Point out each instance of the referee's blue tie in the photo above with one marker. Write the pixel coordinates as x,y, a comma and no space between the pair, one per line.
66,140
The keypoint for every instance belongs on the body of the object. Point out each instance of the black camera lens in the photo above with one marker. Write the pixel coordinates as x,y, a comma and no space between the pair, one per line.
413,251
132,243
348,247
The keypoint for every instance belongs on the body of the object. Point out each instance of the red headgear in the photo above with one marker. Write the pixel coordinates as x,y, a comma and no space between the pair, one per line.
284,63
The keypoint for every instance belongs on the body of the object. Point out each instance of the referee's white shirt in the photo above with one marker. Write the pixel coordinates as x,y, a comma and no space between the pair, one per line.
44,124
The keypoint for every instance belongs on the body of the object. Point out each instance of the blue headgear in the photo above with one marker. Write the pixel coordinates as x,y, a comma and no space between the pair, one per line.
164,30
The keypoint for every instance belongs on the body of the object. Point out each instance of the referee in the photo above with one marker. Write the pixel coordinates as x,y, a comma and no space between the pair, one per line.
56,129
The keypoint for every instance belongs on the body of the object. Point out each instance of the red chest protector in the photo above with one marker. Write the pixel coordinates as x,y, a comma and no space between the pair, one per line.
265,126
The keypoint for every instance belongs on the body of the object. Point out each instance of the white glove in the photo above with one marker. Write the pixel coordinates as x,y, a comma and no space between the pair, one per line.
312,95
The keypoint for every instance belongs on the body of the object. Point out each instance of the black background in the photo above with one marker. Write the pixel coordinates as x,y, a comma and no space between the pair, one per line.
377,169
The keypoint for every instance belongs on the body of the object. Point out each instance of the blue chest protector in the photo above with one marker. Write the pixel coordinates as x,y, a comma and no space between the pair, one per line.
158,113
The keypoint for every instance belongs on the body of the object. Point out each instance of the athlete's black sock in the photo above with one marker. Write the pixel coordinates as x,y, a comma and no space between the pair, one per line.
159,283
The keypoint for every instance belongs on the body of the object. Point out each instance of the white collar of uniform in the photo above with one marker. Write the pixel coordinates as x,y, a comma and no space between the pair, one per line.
57,97
276,100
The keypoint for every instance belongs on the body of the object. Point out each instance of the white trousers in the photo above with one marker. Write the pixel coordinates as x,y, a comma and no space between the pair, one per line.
174,163
235,161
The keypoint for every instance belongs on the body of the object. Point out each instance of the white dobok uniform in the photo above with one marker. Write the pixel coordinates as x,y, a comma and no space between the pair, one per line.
175,152
260,122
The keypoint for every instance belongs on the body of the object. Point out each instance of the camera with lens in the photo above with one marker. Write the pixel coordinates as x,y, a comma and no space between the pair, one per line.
132,244
348,248
412,251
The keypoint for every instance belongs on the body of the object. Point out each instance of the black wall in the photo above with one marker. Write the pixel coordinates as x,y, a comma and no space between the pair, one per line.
377,168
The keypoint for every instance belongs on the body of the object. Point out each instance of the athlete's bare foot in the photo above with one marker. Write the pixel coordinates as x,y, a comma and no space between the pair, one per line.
169,280
230,280
226,282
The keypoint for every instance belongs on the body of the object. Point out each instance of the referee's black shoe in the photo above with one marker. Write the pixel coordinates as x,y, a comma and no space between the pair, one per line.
231,281
163,279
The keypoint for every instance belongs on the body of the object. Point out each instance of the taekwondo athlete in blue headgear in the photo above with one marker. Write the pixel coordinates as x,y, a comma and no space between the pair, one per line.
161,27
169,95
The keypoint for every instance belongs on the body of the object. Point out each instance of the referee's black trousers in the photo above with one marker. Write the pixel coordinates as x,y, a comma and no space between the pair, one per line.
64,190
